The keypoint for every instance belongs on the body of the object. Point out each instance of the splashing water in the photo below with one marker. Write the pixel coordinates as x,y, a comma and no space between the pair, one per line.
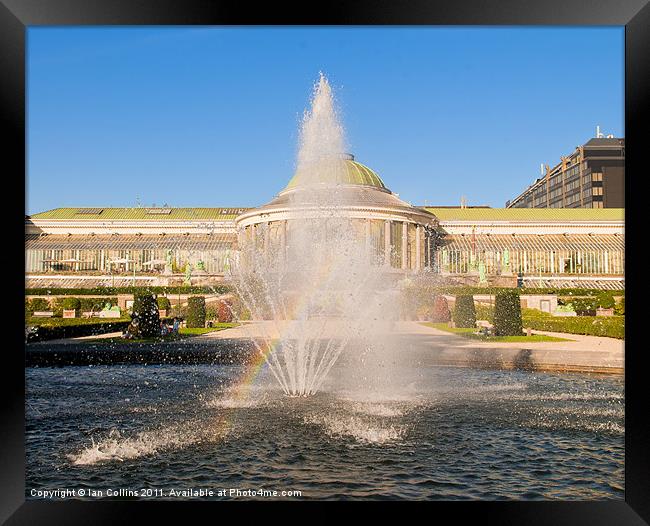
323,291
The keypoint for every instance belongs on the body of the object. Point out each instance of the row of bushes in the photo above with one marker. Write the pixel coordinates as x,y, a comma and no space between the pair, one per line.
57,305
461,290
109,291
586,306
506,318
612,327
198,312
71,328
146,309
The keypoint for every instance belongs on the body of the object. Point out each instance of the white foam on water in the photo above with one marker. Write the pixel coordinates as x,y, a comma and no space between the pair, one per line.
117,448
233,402
376,410
357,428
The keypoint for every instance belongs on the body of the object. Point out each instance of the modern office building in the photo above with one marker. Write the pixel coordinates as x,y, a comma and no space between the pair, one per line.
84,247
591,177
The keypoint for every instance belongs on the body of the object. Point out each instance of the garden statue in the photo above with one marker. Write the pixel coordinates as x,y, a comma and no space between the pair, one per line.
168,261
505,262
481,272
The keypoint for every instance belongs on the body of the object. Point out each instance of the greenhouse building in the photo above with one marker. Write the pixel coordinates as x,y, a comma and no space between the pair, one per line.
548,247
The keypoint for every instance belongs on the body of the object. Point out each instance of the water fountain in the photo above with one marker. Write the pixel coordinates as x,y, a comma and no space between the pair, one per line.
321,288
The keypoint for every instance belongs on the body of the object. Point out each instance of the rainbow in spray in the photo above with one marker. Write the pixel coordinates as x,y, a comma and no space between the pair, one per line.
318,288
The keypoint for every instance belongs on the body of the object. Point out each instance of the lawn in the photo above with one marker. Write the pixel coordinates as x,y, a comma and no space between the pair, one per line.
472,335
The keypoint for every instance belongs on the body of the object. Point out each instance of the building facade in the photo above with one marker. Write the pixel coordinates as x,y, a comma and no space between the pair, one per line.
86,247
591,177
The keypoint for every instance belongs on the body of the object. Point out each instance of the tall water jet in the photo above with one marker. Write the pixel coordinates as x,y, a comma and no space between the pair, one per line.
314,275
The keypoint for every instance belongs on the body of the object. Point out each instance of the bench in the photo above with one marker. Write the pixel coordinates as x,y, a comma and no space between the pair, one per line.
43,314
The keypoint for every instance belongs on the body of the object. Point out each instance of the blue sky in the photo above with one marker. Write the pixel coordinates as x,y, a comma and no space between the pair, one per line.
209,116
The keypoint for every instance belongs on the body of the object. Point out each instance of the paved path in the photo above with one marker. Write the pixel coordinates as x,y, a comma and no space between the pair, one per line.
582,353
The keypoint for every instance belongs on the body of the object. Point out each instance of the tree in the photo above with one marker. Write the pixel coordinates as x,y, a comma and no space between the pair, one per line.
145,309
164,303
507,314
464,311
441,312
224,312
196,312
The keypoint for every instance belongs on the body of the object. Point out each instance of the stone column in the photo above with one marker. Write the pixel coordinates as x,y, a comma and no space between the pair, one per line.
418,249
267,235
283,241
405,244
387,246
367,230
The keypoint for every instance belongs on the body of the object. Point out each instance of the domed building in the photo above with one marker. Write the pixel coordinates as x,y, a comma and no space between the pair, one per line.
401,236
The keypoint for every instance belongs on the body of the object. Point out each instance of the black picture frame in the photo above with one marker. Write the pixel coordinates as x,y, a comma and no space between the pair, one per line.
17,15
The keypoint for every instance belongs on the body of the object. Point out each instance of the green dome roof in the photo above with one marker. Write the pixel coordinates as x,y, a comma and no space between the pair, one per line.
346,171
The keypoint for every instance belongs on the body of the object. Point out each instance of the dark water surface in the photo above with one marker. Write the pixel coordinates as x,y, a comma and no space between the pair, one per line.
436,433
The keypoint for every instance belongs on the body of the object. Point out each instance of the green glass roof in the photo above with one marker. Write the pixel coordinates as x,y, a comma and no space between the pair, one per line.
142,214
228,214
348,172
528,214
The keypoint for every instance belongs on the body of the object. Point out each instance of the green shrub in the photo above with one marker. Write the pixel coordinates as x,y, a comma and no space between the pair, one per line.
606,300
619,308
610,326
53,329
440,312
145,309
485,312
196,312
211,311
507,314
164,303
585,306
39,305
71,304
464,312
109,291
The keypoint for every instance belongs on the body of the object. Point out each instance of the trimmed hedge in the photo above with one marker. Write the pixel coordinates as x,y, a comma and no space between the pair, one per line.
111,291
507,314
164,303
620,307
224,312
71,304
145,309
38,304
457,290
71,328
610,326
464,312
196,312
